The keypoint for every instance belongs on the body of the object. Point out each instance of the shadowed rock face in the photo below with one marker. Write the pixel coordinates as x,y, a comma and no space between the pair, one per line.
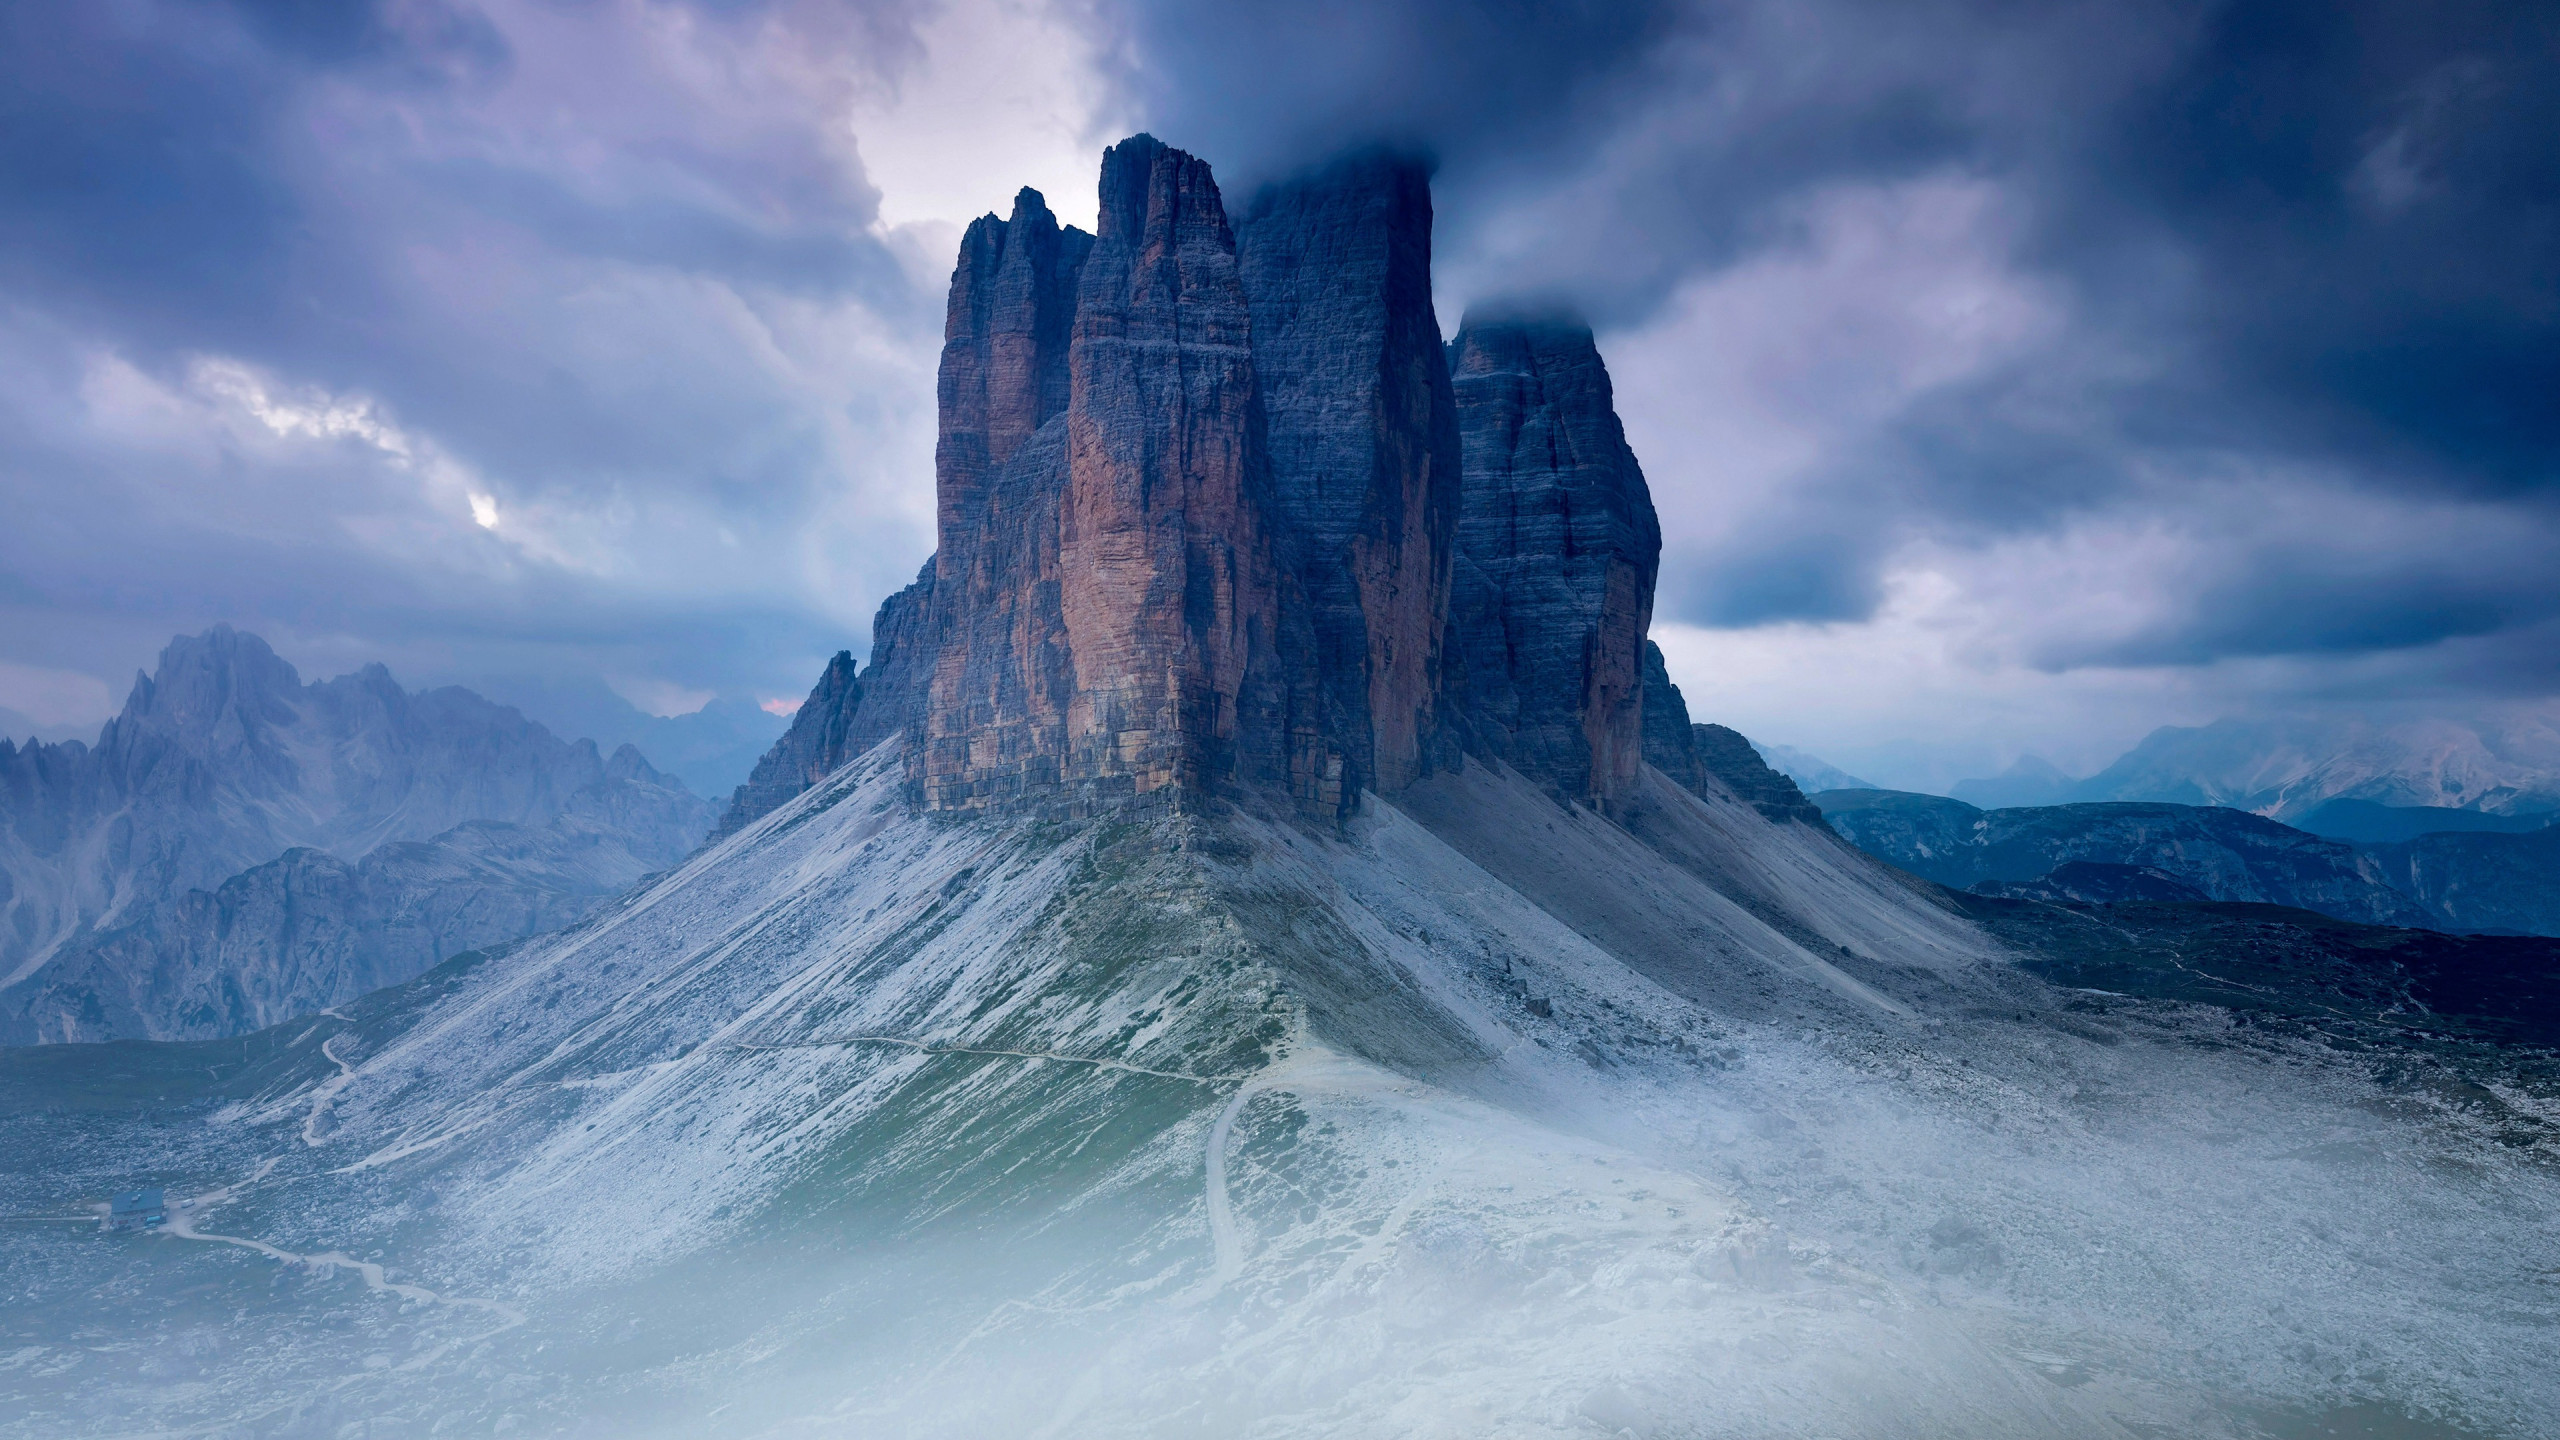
1363,434
807,752
1557,551
1004,360
1706,759
991,652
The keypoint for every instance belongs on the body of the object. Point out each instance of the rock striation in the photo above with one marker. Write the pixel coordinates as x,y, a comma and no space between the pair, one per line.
1558,547
1218,514
1189,670
1363,438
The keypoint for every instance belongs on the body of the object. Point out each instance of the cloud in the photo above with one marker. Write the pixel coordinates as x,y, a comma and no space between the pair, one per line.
1883,276
2142,355
50,699
477,338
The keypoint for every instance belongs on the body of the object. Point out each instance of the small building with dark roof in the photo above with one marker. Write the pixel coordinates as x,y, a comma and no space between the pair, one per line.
136,1210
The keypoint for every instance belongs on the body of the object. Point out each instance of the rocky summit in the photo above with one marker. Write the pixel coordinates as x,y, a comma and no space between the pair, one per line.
1219,515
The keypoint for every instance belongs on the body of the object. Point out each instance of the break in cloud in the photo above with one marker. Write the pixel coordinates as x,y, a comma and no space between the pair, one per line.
2010,377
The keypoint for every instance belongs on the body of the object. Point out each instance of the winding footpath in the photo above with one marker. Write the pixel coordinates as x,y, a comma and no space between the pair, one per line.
928,1048
183,1218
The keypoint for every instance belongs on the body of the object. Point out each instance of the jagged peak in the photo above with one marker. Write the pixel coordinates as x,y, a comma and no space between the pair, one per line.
1149,190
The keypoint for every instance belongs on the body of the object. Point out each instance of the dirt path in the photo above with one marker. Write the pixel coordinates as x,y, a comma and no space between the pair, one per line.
328,1091
182,1224
928,1048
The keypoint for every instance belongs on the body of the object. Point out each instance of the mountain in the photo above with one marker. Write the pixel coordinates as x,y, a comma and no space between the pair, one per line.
2029,780
2095,882
2285,769
2225,854
1811,773
2365,822
2481,880
1148,1000
711,749
128,902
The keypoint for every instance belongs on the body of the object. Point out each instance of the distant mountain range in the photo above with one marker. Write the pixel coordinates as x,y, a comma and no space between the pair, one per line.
2110,852
240,847
2290,770
1810,772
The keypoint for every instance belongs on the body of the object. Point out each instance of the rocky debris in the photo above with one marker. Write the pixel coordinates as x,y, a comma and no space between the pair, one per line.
1363,440
1557,551
2228,855
223,760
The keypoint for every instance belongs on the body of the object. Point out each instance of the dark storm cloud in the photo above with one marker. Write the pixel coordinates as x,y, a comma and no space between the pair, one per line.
529,252
2314,241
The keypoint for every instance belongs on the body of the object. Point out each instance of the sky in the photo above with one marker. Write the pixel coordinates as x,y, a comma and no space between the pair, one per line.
2011,378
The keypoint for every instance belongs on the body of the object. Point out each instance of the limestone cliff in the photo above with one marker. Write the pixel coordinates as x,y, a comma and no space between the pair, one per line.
1218,514
1363,440
1557,551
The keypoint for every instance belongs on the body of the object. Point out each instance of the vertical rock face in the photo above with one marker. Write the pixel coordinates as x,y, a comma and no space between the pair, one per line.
1363,430
1557,550
1217,509
813,747
989,644
1186,673
1004,361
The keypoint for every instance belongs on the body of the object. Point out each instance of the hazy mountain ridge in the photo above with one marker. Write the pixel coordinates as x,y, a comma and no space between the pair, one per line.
2480,881
2225,854
222,762
2508,764
2463,882
1810,772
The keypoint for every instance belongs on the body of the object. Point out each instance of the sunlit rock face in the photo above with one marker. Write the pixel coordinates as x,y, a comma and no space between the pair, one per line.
1557,551
1190,672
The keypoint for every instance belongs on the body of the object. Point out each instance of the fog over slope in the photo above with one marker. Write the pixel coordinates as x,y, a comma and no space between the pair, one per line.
1180,1127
